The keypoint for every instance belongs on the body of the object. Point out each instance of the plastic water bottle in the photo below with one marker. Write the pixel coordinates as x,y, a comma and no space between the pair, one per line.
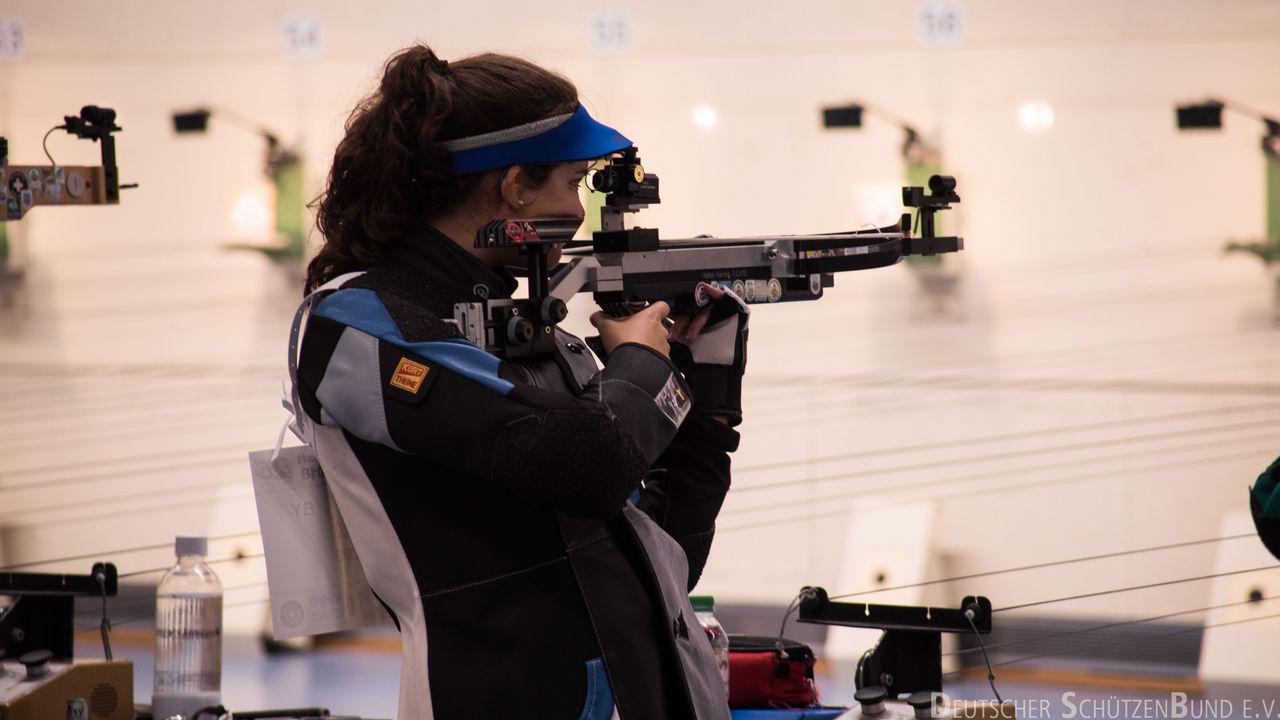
704,607
188,635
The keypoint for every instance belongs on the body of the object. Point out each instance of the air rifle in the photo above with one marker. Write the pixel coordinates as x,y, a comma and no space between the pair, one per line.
23,187
626,269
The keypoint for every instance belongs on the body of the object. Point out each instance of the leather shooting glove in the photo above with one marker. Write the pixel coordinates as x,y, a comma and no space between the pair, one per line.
714,359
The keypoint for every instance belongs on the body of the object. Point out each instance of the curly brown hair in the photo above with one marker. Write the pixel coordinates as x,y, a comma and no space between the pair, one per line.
389,170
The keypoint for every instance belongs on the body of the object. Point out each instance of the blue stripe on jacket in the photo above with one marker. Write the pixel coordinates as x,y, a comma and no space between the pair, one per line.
360,308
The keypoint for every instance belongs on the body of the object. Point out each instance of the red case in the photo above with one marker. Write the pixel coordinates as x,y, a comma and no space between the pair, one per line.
759,677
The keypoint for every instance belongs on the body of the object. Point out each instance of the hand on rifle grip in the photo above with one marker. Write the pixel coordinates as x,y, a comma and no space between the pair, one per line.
646,327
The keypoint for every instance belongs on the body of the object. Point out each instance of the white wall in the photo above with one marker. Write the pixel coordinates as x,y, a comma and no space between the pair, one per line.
1094,289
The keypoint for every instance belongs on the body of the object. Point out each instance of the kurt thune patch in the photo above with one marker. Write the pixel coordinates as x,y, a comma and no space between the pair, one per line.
409,375
672,401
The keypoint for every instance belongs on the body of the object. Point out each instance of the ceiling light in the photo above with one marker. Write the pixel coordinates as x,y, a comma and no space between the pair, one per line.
705,117
1035,116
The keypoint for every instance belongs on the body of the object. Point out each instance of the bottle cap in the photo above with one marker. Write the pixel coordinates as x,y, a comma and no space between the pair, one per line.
191,545
702,603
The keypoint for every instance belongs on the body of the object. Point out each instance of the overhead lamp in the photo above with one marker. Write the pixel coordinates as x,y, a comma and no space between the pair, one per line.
191,121
197,121
281,164
1200,116
915,150
849,116
1207,115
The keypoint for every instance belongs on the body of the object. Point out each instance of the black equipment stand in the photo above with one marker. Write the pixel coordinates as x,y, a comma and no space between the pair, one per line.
28,186
42,616
908,657
944,192
96,124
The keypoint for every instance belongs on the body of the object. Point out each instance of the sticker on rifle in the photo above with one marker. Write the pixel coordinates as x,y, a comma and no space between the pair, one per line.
409,375
775,290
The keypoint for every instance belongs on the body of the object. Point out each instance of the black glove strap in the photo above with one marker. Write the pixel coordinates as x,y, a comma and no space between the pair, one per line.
717,389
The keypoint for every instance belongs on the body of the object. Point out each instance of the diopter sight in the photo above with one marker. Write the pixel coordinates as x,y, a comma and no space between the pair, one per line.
629,188
94,123
944,192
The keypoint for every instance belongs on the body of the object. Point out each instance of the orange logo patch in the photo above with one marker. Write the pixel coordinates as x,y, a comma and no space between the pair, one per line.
409,375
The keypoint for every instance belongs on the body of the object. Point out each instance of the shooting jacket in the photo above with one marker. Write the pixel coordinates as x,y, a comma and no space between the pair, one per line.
521,521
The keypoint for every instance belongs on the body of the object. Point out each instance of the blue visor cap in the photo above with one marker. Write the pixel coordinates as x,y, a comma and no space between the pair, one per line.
563,138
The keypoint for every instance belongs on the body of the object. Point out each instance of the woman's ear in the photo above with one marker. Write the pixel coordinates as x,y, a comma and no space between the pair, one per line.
515,188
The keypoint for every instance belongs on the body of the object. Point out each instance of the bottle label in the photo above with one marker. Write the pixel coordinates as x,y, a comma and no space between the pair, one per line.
188,633
188,644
